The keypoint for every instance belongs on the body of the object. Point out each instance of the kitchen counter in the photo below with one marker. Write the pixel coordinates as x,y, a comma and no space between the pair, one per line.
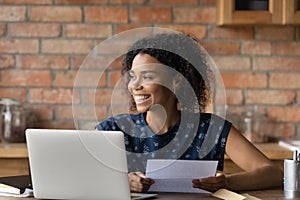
14,158
273,151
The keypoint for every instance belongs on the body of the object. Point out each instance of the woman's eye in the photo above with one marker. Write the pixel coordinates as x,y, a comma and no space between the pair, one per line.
148,77
131,77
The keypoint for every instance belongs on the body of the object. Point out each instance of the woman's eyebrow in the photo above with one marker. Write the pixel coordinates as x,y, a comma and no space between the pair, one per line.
132,72
142,72
148,71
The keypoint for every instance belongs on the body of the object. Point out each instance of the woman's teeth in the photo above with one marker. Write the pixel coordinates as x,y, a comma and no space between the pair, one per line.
141,98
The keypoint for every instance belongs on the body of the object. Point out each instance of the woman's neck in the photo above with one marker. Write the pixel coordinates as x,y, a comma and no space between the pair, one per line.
160,120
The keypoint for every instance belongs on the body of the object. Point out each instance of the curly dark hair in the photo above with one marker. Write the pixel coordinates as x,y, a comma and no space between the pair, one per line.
184,54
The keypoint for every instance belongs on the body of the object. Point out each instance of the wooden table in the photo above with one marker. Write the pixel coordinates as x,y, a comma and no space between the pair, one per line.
275,194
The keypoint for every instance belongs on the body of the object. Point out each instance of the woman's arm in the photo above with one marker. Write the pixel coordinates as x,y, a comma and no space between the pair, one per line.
259,171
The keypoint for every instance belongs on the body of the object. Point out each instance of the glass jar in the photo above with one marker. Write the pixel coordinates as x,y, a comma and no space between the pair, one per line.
12,121
255,126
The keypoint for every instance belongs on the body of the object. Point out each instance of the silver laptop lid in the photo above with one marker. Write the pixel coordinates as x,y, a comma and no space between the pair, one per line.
73,164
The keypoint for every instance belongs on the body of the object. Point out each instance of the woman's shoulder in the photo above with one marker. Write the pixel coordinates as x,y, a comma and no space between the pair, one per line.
212,118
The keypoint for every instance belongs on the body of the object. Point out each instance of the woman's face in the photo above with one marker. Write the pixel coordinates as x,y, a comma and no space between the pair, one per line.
149,83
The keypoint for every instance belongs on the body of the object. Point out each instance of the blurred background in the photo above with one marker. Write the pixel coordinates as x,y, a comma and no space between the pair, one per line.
44,42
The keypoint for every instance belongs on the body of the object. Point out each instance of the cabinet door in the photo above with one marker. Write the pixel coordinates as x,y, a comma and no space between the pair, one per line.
291,11
228,15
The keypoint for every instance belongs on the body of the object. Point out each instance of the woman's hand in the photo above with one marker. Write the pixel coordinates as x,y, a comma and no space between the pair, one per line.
211,184
138,182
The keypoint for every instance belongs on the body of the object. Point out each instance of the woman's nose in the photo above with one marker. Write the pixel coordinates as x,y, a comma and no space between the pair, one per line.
135,84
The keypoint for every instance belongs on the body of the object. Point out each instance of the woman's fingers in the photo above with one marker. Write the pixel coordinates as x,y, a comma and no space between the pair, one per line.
211,183
138,182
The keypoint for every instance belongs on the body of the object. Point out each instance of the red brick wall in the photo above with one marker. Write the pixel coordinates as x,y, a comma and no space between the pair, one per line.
43,42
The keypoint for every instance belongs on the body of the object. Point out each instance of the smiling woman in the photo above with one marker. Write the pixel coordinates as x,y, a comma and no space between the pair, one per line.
149,86
180,58
169,79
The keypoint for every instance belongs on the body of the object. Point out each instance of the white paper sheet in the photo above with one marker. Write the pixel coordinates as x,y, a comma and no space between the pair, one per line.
177,175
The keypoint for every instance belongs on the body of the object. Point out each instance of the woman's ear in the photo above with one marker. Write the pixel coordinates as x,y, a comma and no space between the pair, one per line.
177,81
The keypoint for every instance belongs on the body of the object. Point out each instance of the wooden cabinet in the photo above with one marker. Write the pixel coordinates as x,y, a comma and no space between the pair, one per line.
291,12
279,12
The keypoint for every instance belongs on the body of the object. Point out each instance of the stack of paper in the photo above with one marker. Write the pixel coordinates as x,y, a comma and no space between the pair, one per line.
7,190
16,186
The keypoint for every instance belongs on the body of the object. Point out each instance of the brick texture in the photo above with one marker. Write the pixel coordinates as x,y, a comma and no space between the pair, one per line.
258,48
19,46
151,15
56,14
81,2
28,78
278,33
232,32
7,61
67,46
174,2
244,80
12,13
285,80
223,48
270,97
3,30
51,96
232,63
277,63
197,31
16,93
33,2
107,14
192,15
287,48
87,31
34,30
44,62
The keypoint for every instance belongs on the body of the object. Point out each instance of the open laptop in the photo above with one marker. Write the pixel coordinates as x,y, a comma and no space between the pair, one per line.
79,164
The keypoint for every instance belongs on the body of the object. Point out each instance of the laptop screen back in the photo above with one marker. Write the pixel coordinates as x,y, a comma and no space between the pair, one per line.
73,164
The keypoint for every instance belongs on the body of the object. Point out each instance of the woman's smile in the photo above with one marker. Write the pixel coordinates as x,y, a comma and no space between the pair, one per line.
140,99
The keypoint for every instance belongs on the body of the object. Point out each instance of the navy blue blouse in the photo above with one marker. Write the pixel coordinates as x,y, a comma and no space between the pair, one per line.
197,137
